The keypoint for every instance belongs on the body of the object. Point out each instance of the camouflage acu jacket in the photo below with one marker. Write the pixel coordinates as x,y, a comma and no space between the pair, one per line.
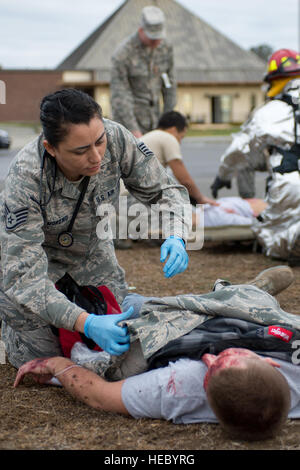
166,319
32,259
139,76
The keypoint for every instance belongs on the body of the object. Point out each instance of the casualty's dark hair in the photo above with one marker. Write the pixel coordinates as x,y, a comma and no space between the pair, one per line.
251,403
171,119
64,107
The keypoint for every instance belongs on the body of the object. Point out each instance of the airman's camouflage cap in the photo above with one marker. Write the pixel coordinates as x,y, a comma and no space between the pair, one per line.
153,22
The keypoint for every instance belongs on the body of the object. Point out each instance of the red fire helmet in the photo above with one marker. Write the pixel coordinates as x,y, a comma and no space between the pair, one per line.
282,64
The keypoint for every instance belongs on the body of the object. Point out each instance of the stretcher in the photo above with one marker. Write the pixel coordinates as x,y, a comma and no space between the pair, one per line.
229,233
230,221
220,234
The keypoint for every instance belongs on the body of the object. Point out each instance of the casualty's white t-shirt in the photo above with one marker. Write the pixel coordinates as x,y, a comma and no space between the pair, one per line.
176,393
216,216
163,144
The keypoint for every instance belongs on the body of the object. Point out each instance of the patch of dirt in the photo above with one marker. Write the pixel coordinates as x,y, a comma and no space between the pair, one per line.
47,418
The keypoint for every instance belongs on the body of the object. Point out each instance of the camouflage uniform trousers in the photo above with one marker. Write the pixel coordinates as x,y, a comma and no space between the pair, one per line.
23,339
245,179
23,346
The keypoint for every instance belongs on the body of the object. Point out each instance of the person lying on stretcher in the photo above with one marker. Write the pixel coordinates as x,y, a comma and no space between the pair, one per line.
230,211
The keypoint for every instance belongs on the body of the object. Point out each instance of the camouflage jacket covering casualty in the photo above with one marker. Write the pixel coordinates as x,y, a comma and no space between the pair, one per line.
31,258
165,319
139,76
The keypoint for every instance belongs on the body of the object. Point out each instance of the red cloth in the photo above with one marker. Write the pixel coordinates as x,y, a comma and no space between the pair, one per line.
68,338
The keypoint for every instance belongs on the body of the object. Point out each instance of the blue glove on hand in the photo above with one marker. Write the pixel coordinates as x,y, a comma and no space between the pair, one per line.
104,330
178,259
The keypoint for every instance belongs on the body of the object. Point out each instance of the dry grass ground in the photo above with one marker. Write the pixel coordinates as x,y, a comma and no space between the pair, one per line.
47,418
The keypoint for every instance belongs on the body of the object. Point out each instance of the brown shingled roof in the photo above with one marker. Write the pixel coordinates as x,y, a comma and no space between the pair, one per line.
202,54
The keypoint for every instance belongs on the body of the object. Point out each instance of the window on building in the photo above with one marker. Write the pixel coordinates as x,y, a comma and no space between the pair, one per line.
253,103
221,109
89,90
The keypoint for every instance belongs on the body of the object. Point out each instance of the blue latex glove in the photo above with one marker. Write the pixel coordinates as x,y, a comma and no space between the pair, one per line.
178,259
104,331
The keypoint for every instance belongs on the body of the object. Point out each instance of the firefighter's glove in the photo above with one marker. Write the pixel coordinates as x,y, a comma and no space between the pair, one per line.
105,331
174,247
219,184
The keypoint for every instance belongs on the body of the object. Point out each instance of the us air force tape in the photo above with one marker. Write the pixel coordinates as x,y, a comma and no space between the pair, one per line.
145,150
15,218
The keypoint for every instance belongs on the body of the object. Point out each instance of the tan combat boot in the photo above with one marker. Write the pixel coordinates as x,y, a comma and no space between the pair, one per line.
273,280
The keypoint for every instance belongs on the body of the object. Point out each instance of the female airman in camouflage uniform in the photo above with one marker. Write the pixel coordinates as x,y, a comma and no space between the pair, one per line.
41,241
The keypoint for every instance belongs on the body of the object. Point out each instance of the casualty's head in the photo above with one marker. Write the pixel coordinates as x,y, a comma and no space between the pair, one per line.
152,26
247,393
174,123
74,133
283,66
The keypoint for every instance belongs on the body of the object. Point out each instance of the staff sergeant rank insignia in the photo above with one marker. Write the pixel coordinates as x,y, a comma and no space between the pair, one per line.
16,218
145,150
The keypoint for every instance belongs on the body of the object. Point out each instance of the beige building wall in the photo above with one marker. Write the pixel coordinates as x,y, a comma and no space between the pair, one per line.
201,103
102,96
85,80
77,76
237,101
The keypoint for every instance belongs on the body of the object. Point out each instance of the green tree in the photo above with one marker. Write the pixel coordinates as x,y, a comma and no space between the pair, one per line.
263,51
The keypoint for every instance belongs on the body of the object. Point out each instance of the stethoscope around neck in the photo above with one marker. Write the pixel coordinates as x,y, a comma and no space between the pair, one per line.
65,238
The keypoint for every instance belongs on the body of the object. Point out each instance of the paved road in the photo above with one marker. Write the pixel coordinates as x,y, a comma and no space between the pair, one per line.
201,156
